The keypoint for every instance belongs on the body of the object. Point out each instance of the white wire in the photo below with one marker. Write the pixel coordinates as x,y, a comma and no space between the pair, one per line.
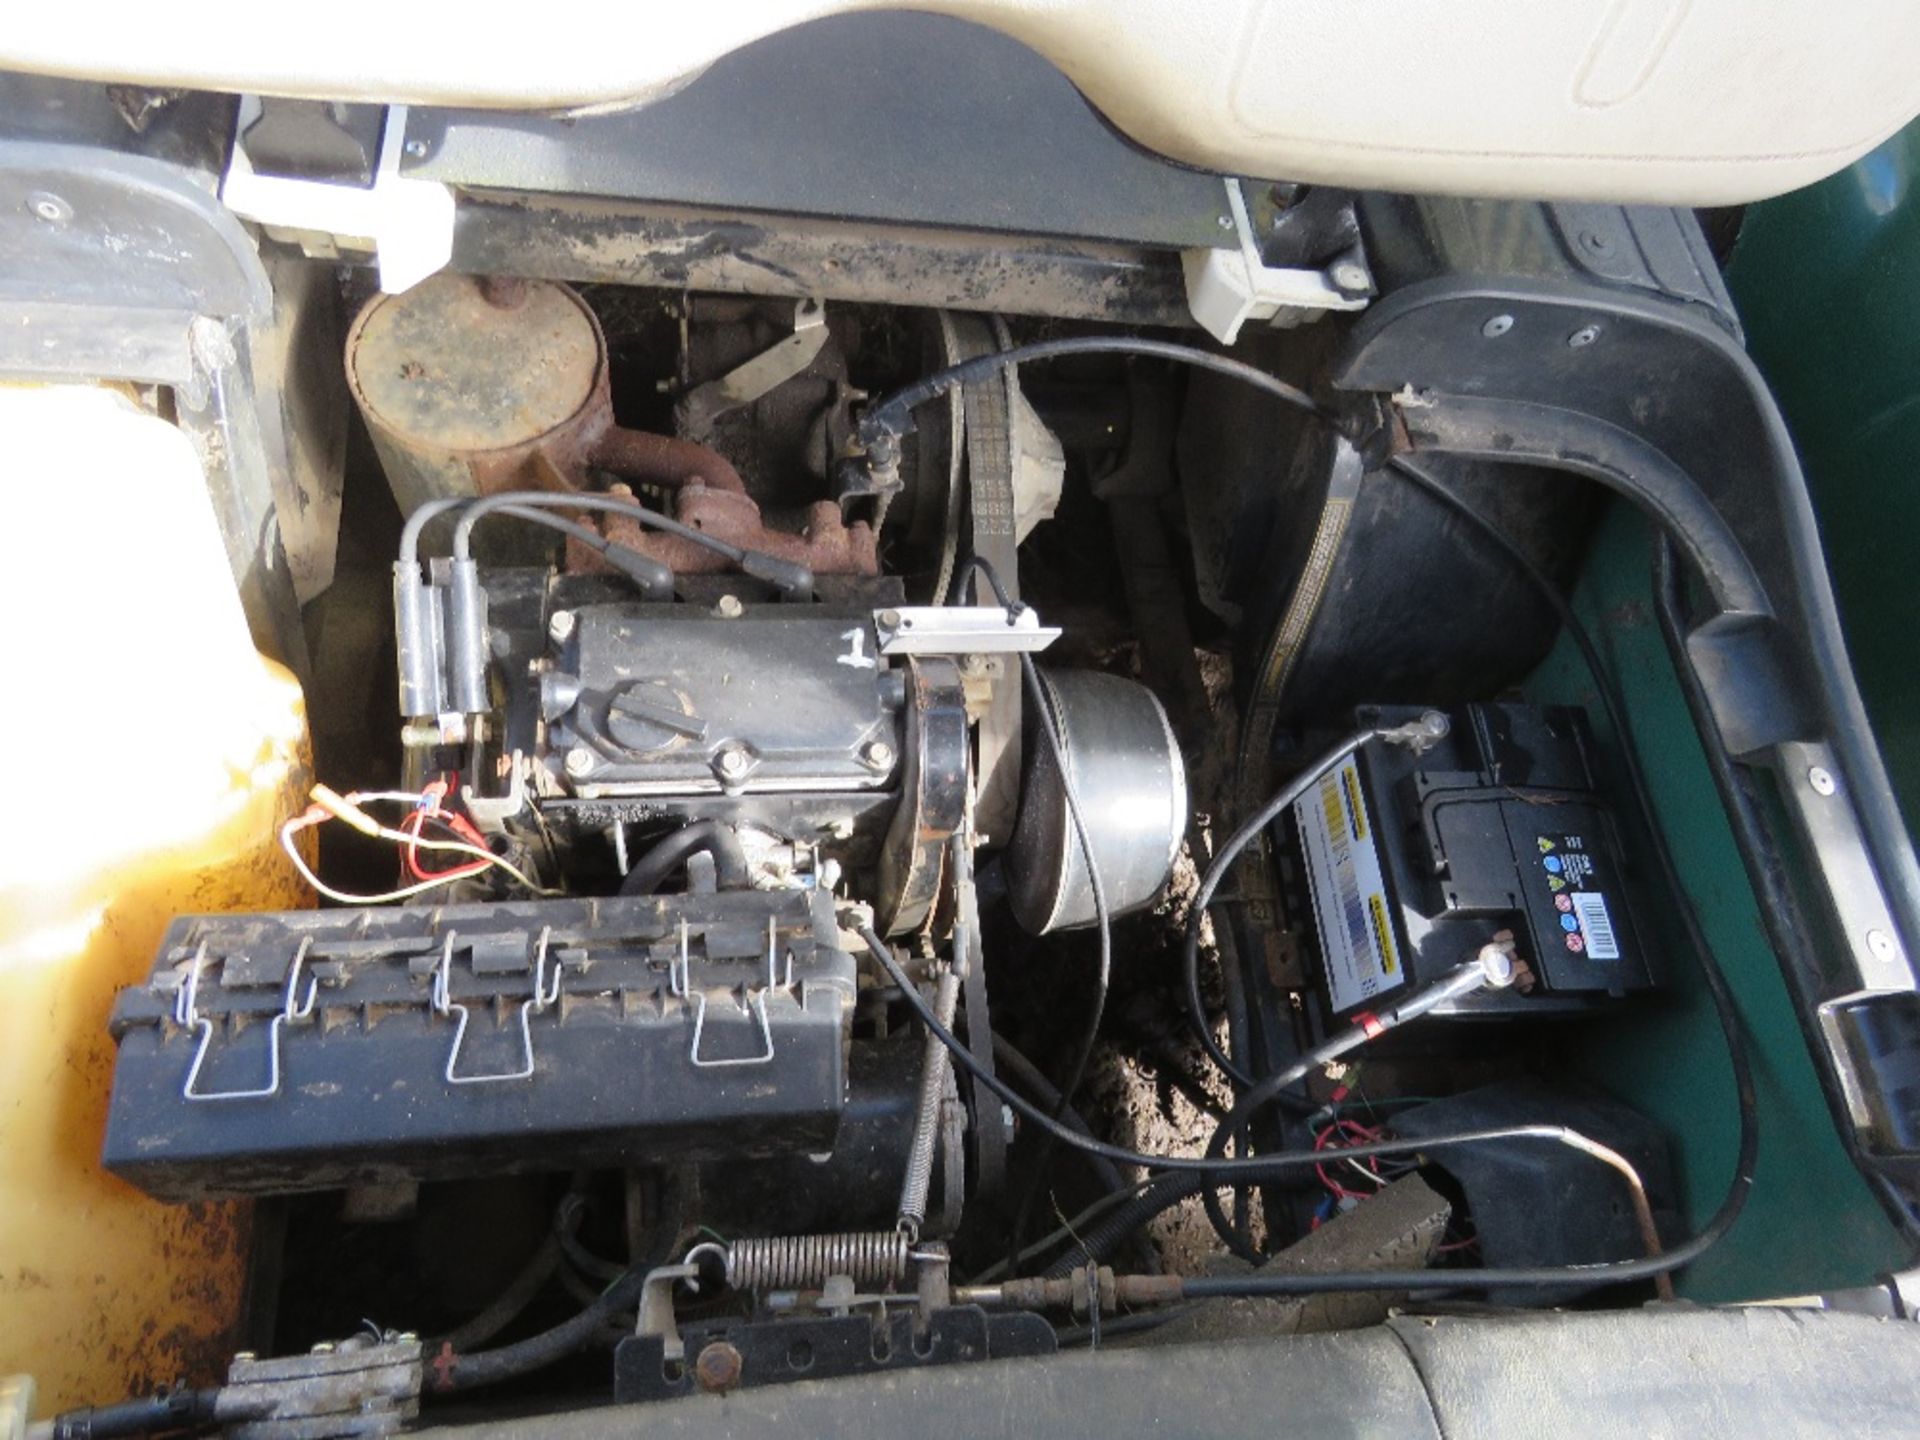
401,837
286,843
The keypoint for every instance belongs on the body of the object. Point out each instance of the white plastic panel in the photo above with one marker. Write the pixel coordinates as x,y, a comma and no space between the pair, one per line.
1672,101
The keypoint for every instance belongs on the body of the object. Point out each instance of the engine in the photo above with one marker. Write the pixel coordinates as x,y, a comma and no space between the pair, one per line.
663,763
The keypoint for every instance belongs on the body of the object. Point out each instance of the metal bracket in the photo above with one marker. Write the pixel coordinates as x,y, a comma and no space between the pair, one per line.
491,813
1227,288
410,222
443,1004
962,630
679,982
186,1014
656,1318
765,372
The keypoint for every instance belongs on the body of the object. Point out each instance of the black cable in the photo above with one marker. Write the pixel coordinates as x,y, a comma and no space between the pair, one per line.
171,1412
1223,861
1098,1241
454,1371
478,510
1224,1171
892,416
1012,1062
1051,731
1134,1324
713,836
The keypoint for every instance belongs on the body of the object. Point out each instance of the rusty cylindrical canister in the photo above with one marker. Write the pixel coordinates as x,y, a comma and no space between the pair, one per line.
472,386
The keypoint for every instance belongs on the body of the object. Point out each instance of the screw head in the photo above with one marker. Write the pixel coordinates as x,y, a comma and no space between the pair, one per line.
729,608
1583,337
416,148
1881,945
718,1368
560,626
890,619
731,762
580,761
1497,326
1822,781
1349,276
49,207
878,754
1225,222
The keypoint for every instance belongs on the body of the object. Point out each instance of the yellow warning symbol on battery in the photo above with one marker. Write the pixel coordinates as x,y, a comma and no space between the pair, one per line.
1546,846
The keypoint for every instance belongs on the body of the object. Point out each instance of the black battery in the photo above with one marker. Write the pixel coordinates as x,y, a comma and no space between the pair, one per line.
1409,860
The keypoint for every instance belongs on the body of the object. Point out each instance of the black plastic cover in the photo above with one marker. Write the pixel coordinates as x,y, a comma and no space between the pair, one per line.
297,1051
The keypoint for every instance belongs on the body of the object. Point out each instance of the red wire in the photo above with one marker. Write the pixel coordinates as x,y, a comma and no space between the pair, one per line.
461,827
1346,1128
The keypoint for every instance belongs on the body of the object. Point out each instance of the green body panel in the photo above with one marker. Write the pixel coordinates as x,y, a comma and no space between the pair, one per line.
1828,285
1812,1222
1827,281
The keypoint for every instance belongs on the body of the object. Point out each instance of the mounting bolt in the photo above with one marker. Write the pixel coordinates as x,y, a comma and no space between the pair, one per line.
1497,326
1881,945
1583,337
890,619
49,207
1348,275
718,1368
878,754
729,608
731,763
580,761
560,626
1225,222
1822,781
415,148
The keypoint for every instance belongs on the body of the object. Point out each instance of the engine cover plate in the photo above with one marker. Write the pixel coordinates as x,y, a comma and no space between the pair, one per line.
273,1053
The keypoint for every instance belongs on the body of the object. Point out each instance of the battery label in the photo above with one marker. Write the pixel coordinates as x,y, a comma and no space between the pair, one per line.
1350,906
1574,883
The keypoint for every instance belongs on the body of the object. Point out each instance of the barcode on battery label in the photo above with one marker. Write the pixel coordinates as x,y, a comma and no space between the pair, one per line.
1590,908
1353,908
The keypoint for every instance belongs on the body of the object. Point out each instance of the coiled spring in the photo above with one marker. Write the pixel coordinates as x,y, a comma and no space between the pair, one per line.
871,1258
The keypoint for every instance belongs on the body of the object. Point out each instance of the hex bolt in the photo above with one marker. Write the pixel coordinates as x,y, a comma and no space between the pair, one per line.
1583,337
580,761
1882,946
1822,781
878,754
729,608
1497,326
718,1368
560,626
890,619
731,762
1349,276
49,207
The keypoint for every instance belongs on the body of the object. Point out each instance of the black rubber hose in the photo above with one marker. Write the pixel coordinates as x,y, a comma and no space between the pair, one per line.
171,1412
1098,1241
716,837
453,1371
1035,1082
